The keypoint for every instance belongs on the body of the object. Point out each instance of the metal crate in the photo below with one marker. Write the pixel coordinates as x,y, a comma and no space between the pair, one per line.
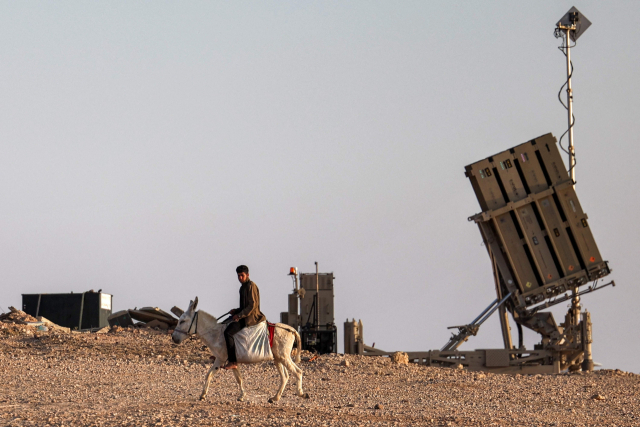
85,310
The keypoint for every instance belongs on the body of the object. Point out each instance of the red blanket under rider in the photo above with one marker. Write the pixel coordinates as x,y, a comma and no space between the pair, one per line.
271,327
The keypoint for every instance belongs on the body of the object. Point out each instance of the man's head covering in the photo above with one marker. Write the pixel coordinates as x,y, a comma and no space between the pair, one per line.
242,269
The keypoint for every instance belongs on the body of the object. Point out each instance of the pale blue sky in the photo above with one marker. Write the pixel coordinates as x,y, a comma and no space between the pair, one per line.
147,148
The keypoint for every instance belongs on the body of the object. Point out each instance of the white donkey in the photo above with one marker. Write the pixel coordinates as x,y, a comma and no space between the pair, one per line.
207,328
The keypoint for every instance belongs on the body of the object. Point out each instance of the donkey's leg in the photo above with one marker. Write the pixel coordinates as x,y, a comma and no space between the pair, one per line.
285,372
297,372
207,379
238,375
284,377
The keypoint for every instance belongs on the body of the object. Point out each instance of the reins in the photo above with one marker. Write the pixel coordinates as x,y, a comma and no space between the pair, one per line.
195,317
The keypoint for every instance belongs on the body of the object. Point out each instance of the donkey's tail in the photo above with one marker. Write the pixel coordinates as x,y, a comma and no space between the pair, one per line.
298,344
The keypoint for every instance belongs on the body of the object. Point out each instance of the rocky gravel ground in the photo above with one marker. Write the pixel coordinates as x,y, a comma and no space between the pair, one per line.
138,377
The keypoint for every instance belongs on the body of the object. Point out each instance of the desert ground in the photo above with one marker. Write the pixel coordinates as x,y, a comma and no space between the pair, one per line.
138,377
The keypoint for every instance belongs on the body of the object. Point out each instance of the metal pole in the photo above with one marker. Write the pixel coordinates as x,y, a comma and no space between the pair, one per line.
484,312
38,308
575,306
298,301
316,321
572,160
493,309
587,364
81,311
504,317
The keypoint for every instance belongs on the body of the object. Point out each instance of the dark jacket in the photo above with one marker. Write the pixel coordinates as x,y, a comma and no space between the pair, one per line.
250,304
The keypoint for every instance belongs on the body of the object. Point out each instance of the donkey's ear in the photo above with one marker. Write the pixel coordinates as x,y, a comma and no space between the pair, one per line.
195,303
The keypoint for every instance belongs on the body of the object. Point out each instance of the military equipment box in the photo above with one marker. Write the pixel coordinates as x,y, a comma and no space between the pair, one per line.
85,310
529,203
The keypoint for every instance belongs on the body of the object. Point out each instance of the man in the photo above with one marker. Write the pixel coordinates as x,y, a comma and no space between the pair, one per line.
248,314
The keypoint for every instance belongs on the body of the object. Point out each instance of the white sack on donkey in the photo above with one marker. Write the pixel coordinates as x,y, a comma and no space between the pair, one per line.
252,344
207,328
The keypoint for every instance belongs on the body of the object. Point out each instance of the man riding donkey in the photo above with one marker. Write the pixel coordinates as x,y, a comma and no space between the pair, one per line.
257,341
248,314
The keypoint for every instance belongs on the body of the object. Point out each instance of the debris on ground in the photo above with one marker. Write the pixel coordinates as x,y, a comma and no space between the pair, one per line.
400,358
17,322
157,324
49,324
16,316
120,318
151,317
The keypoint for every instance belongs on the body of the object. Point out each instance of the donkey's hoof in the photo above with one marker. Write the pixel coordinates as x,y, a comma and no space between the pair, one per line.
203,397
272,400
241,399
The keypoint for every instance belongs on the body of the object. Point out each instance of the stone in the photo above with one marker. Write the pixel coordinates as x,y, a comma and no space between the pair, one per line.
378,406
400,357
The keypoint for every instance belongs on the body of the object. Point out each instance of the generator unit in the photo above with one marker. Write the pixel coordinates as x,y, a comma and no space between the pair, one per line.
86,310
325,304
310,311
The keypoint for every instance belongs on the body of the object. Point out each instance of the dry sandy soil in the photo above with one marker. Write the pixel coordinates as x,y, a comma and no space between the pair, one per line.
139,377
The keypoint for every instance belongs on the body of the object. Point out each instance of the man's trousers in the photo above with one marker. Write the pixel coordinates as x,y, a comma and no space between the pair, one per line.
232,329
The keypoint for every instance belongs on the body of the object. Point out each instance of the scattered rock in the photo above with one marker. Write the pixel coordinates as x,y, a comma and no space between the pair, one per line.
378,406
597,397
400,358
344,363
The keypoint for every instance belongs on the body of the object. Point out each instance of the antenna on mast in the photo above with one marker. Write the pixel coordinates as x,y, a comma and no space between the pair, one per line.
570,27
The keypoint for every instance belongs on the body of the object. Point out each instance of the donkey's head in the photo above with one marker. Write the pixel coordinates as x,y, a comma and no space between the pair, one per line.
185,323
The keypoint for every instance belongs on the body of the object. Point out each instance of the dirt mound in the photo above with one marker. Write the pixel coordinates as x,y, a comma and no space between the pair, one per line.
17,317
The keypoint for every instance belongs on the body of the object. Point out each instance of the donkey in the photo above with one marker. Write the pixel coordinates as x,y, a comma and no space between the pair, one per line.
207,328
